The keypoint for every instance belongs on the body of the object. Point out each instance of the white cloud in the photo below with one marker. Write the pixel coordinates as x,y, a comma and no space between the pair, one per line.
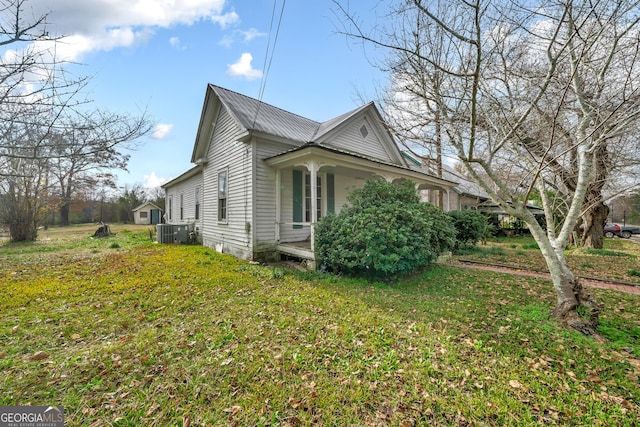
74,47
161,130
153,181
227,19
226,41
94,25
243,68
241,36
251,34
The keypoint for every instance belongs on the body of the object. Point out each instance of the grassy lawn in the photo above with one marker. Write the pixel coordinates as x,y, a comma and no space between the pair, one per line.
125,332
618,260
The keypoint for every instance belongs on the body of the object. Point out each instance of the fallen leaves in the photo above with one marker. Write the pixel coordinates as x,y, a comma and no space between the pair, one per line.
233,410
515,384
40,355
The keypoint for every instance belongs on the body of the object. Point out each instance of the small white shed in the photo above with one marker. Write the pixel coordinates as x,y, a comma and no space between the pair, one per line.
147,213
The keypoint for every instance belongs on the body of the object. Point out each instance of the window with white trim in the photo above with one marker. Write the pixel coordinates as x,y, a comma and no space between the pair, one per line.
223,195
197,196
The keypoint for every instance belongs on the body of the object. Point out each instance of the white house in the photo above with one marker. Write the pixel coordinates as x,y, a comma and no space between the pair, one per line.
147,213
264,176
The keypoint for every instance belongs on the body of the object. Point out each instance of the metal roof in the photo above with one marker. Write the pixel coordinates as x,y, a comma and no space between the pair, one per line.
255,115
186,175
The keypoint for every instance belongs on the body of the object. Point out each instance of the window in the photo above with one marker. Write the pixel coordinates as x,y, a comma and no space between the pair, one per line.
297,198
197,203
170,208
223,195
143,214
364,131
307,197
181,206
302,196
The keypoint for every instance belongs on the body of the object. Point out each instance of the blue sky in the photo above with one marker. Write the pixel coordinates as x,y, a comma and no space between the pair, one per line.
159,55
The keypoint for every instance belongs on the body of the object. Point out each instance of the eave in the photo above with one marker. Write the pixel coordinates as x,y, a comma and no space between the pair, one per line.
329,156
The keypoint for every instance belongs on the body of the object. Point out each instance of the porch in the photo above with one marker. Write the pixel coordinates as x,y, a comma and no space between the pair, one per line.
299,205
301,250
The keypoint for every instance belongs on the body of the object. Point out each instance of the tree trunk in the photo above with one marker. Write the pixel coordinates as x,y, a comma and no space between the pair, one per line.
571,296
439,158
596,211
64,213
594,220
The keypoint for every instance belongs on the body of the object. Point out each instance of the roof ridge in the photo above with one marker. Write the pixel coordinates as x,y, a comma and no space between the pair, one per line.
264,103
339,119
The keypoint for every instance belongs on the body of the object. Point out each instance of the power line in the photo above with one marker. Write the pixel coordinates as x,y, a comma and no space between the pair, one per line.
268,55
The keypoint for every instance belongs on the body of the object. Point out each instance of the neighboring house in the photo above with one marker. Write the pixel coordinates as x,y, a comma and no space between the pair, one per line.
264,176
465,195
507,224
147,213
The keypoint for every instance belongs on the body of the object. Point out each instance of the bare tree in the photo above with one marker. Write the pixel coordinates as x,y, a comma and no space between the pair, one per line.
131,198
87,150
526,84
34,86
45,121
157,196
24,198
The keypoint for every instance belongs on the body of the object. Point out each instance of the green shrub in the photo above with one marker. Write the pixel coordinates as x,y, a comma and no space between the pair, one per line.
386,231
471,227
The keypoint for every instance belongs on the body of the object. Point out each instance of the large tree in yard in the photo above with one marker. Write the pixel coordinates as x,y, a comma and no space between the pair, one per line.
88,148
49,136
535,87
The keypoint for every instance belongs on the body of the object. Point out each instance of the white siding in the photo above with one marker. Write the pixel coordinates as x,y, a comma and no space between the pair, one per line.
351,139
344,185
265,196
287,232
226,152
143,215
187,189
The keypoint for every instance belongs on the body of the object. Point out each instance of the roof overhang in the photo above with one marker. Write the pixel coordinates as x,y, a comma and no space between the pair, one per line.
185,176
492,208
153,206
329,156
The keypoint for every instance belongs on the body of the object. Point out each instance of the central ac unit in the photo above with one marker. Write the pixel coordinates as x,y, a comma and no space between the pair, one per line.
173,233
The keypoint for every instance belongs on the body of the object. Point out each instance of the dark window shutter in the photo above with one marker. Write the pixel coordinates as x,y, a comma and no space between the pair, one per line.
297,197
331,197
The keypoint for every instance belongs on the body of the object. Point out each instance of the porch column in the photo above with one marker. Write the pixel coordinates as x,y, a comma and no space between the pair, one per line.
278,213
387,177
313,176
417,188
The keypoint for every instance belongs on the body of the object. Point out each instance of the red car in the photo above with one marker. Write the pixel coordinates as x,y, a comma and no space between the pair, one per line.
611,229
